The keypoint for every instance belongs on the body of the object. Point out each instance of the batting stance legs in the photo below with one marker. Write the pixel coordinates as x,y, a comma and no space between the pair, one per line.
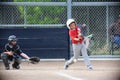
77,49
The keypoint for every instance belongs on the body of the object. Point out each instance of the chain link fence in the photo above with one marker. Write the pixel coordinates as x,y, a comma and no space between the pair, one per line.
14,14
98,20
98,16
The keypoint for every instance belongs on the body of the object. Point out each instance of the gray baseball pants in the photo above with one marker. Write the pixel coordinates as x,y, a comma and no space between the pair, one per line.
77,50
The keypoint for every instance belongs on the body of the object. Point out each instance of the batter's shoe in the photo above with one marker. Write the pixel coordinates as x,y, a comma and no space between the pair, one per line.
7,68
90,68
66,66
15,66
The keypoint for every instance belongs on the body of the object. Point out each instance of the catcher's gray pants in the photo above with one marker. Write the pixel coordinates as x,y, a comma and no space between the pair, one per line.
6,58
77,49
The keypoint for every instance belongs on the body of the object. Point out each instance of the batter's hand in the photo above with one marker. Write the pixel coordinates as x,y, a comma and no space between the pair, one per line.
76,39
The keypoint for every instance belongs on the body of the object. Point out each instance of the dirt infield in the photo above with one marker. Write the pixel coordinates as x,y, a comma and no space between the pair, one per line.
52,70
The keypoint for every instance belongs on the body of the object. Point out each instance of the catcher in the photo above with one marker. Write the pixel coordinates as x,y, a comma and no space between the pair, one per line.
12,52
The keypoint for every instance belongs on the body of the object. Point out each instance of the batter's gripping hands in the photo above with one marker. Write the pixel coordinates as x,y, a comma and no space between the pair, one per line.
34,60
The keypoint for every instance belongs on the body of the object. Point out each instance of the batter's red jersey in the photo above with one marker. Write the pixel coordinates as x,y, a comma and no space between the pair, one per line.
74,34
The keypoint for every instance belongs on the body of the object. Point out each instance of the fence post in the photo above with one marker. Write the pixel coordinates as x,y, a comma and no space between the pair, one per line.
88,19
69,8
107,27
25,20
69,12
12,14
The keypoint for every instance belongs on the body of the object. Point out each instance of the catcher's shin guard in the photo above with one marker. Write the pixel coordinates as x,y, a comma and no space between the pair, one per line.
4,57
16,64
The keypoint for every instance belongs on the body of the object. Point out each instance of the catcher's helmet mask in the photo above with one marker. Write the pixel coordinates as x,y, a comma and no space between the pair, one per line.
12,38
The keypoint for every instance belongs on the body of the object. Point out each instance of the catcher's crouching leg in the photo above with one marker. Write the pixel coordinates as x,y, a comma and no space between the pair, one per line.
17,62
4,57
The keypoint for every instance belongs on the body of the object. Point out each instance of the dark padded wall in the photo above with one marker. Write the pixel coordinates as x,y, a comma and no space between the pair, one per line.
42,42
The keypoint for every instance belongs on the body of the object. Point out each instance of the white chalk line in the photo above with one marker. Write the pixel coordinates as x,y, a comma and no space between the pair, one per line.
68,76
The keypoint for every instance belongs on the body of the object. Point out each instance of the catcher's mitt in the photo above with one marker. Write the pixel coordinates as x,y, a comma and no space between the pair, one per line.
34,60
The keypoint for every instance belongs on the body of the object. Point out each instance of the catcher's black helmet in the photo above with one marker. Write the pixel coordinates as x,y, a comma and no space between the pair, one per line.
12,38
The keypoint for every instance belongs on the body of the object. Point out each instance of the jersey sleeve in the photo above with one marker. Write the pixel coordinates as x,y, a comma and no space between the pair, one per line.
79,33
18,50
79,30
75,33
72,35
7,48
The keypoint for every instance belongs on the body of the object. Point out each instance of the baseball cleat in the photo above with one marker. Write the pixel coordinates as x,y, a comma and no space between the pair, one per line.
15,67
7,68
66,66
90,68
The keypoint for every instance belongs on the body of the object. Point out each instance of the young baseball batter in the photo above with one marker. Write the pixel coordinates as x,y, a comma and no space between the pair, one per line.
12,52
77,43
